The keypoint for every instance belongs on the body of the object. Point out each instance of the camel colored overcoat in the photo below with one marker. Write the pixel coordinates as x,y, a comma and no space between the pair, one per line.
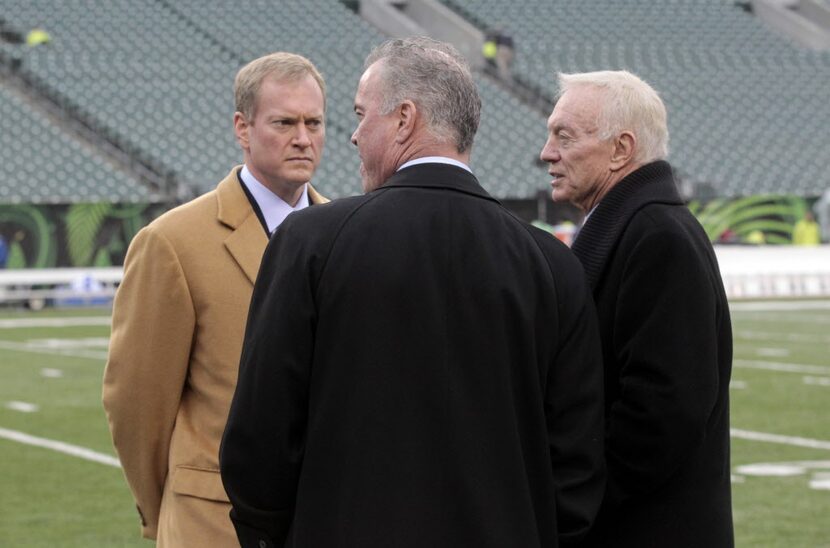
177,326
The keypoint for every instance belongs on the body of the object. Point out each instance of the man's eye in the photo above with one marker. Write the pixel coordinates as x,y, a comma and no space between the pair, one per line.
314,123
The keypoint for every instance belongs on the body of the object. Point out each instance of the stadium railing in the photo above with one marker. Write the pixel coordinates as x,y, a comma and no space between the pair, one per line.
37,288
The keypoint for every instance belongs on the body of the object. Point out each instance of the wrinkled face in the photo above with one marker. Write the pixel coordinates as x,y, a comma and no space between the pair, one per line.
284,141
578,160
375,133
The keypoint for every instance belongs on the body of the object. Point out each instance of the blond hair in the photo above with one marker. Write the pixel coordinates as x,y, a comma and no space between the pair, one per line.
283,66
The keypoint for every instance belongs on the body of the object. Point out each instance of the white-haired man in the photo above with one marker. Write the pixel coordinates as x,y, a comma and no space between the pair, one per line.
664,318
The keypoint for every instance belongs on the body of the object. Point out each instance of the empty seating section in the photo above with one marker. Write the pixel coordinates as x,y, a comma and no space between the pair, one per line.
156,76
144,79
45,165
748,110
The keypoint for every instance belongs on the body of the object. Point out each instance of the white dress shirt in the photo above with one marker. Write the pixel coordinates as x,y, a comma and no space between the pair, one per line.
436,160
274,209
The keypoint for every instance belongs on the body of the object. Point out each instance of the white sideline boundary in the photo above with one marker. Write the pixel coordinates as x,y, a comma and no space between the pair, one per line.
60,447
74,353
776,438
766,306
781,366
12,323
94,456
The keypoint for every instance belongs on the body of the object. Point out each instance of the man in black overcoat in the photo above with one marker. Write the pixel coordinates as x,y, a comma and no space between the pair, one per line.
420,367
664,318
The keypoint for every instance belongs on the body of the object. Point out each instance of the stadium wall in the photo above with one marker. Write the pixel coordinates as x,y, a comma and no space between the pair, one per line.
72,235
761,272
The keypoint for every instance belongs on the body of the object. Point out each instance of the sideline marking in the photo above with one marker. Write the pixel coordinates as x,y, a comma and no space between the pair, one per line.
779,366
817,381
820,481
13,323
776,438
780,305
787,337
94,456
817,468
61,447
22,406
766,352
36,349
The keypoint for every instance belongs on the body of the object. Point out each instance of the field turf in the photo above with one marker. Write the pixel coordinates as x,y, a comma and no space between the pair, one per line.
51,364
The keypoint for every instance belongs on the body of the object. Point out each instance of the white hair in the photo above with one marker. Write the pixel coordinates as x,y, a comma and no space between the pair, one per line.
632,105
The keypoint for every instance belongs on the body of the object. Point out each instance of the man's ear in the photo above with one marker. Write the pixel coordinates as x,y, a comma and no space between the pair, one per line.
625,145
240,128
407,114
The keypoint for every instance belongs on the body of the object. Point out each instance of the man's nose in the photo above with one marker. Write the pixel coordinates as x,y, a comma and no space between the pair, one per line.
302,138
549,153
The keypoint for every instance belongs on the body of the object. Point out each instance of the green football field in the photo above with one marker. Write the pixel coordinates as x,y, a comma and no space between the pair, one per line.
62,486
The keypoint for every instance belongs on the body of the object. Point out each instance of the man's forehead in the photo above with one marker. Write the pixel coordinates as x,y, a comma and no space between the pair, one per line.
578,106
366,84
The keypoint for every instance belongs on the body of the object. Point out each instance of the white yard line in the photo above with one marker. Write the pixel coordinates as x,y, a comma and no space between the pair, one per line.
785,367
60,447
817,381
39,349
94,456
776,438
12,323
779,305
784,337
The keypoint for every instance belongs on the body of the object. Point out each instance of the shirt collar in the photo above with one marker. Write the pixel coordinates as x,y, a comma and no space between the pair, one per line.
585,220
274,209
436,160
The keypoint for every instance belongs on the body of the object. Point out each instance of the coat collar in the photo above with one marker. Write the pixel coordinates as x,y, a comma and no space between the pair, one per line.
651,183
246,243
439,176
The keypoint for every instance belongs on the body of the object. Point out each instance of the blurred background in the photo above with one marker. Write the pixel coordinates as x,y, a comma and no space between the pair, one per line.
114,111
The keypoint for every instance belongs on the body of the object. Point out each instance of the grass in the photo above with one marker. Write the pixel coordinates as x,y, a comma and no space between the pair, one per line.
52,499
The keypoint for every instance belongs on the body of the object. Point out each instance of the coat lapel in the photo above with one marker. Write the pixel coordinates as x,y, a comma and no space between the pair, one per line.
314,197
247,241
652,183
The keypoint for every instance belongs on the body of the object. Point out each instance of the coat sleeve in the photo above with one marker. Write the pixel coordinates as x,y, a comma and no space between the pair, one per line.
264,440
152,329
574,407
665,340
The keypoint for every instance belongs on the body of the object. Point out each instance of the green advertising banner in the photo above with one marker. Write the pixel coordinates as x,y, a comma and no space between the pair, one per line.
72,235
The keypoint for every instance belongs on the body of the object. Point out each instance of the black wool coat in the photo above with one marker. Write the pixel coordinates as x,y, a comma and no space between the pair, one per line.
420,369
667,350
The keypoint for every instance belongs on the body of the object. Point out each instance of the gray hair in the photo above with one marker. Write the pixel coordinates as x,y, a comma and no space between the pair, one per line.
632,105
283,66
435,77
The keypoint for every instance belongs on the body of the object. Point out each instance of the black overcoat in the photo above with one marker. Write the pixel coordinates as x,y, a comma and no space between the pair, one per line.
420,369
667,349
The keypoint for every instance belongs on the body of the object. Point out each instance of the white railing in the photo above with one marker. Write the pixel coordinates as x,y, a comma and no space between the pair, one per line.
35,287
749,272
772,271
